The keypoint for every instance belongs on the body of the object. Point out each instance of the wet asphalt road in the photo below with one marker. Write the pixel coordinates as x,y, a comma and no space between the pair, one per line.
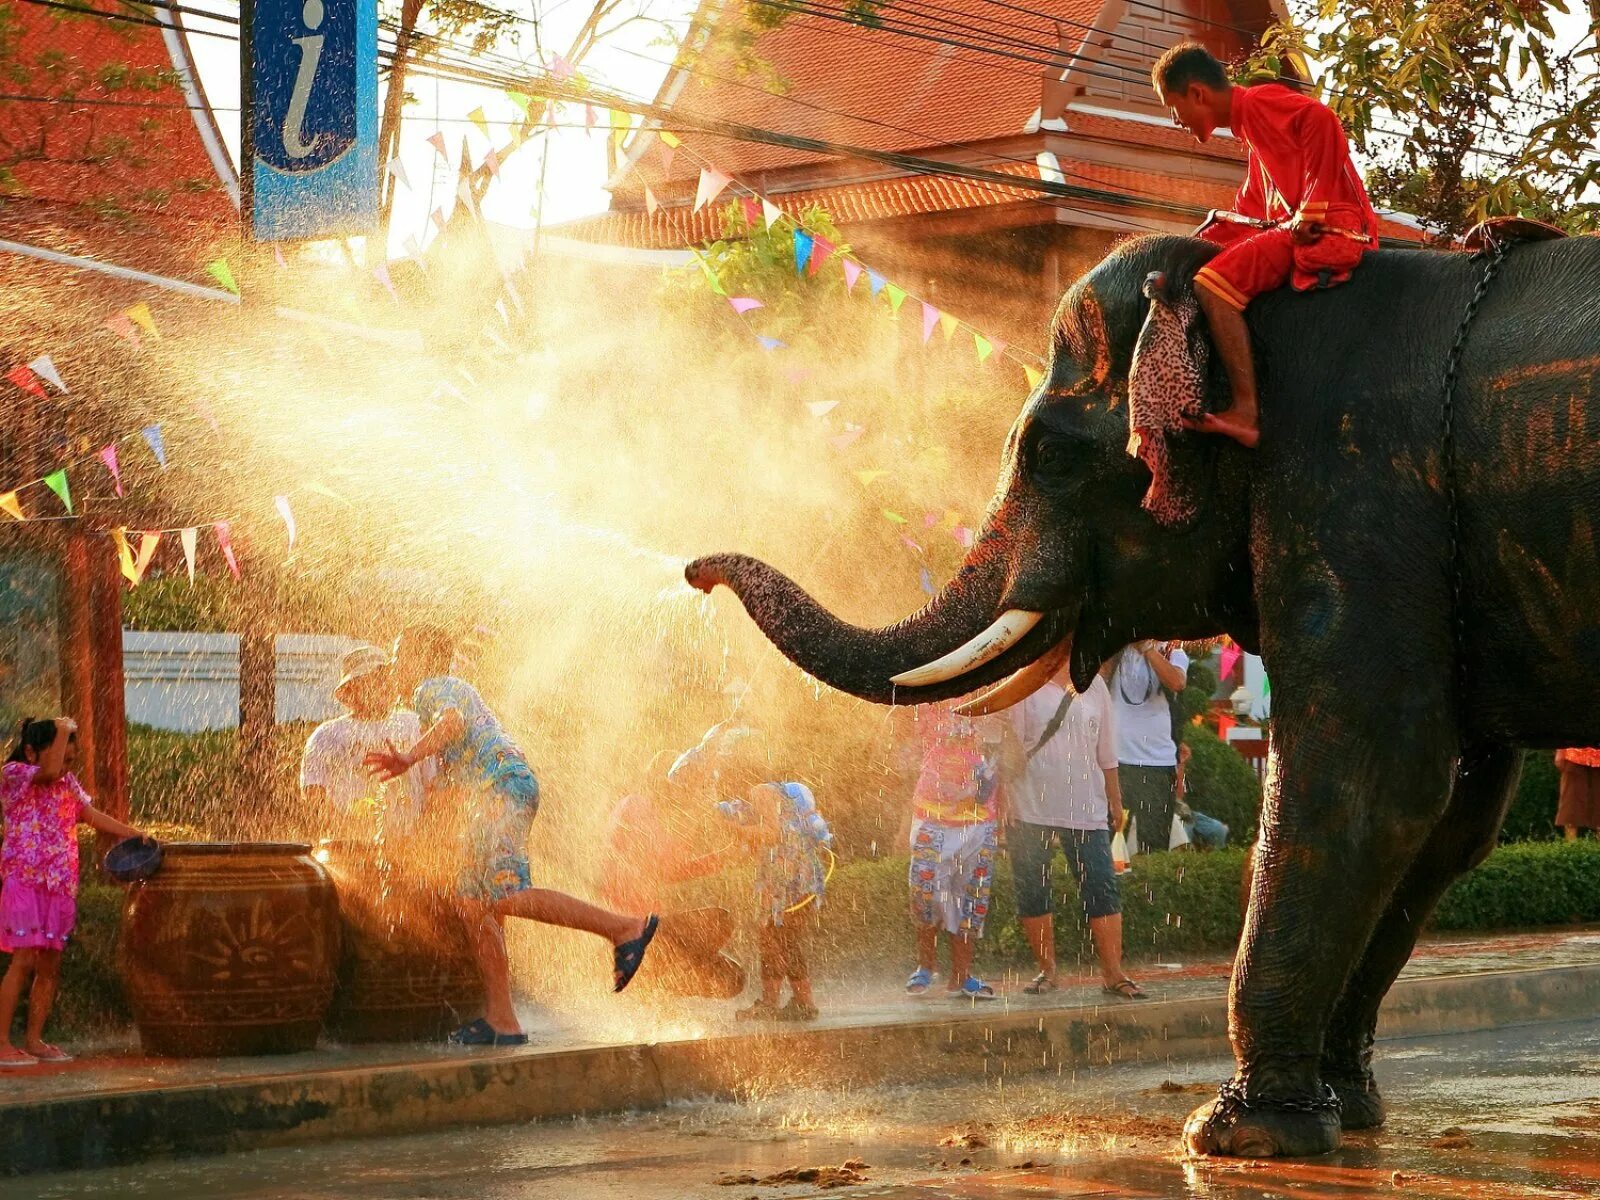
1512,1113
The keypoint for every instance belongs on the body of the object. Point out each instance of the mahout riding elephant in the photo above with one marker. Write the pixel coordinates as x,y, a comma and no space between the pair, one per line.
1421,578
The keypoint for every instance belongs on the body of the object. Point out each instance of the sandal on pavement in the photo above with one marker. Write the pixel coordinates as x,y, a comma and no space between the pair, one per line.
974,989
761,1010
1127,989
481,1033
919,983
629,956
796,1011
22,1059
51,1054
1041,984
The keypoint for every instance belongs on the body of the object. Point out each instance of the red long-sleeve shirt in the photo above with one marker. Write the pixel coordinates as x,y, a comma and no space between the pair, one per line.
1299,164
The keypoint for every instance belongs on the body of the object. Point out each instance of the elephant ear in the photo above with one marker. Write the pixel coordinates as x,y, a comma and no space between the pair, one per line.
1167,383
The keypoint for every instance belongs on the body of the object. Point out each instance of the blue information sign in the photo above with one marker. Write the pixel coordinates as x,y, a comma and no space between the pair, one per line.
312,118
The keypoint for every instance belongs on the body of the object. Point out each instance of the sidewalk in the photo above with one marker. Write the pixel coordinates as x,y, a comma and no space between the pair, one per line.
123,1107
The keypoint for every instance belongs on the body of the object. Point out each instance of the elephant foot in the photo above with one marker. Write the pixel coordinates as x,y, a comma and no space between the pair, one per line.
1230,1127
1361,1105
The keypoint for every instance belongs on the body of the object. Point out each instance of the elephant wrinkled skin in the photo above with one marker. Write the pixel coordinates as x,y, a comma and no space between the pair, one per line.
1329,551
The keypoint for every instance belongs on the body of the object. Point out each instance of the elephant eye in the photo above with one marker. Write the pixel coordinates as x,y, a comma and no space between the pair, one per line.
1053,457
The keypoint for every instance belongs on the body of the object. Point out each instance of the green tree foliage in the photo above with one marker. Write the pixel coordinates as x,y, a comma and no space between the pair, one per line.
1464,110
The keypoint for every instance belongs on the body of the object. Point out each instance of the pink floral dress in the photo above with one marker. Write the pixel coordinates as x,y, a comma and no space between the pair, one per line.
39,858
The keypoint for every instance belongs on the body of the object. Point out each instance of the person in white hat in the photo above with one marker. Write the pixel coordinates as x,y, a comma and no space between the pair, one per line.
333,778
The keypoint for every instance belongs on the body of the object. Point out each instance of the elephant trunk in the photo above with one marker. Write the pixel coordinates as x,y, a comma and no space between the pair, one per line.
960,640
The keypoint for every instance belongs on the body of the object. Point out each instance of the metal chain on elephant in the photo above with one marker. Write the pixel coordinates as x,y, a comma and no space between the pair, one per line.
1231,1094
1495,251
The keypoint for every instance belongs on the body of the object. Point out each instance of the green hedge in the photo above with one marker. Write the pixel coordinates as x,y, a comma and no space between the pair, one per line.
1532,815
1221,784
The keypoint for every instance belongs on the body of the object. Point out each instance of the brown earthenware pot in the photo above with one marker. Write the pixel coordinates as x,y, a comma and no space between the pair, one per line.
231,948
406,973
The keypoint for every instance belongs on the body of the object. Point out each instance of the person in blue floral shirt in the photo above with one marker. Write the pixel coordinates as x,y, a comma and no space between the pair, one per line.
481,763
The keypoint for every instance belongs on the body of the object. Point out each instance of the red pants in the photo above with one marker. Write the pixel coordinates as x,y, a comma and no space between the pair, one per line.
783,948
1257,261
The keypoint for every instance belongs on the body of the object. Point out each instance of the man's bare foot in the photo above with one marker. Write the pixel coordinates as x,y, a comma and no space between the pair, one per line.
1244,432
45,1052
10,1056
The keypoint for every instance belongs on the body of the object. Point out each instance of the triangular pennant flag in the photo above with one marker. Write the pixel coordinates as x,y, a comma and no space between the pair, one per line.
225,540
712,182
1230,659
281,503
561,68
893,516
477,117
843,440
56,481
821,408
771,343
223,274
108,455
963,536
147,550
650,201
852,272
398,170
189,538
590,117
751,209
770,212
948,325
875,283
802,250
671,139
24,378
621,125
926,581
820,250
437,217
158,446
999,345
491,162
381,274
437,142
123,327
277,253
897,297
520,100
46,369
930,318
666,157
982,345
1035,376
139,314
125,555
744,304
8,504
867,477
952,518
464,194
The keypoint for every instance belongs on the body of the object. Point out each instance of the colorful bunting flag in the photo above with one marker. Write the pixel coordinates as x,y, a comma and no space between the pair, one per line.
802,250
771,343
1230,659
56,481
948,325
621,126
478,118
123,327
491,162
666,158
650,201
893,516
671,139
930,318
219,270
963,536
982,345
590,118
125,555
852,272
561,68
712,183
751,210
9,504
108,455
437,217
770,212
1035,376
926,581
398,170
281,503
23,377
158,446
437,142
225,540
912,545
520,100
744,304
139,314
850,434
189,538
381,274
821,408
45,368
868,477
999,345
897,297
875,282
821,248
147,551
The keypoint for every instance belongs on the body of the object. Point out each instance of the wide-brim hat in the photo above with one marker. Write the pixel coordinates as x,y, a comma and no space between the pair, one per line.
358,664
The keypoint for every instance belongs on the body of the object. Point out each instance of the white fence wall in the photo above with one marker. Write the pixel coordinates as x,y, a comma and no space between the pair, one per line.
190,681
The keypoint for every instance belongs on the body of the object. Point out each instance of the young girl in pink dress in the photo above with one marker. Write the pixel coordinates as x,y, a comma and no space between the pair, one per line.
43,804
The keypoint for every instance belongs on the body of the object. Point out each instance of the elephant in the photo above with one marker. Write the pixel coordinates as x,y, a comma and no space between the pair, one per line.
1420,577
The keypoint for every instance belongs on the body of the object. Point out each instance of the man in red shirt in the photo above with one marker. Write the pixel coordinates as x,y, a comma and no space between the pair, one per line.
1299,177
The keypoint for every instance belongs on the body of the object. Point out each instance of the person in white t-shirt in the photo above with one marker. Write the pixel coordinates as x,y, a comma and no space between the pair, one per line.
1068,795
333,778
1147,752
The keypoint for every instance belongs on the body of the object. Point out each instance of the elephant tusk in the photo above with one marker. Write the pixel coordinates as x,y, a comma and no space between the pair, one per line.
1019,685
994,641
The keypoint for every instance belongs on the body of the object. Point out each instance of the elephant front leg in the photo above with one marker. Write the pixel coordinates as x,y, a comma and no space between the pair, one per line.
1463,837
1347,811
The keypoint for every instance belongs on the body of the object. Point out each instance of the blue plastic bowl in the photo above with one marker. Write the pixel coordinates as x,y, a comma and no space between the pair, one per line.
133,859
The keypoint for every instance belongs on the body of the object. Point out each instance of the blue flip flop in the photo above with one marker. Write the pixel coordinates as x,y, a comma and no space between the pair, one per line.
629,957
481,1033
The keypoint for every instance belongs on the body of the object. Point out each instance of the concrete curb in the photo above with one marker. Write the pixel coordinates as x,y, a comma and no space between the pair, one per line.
519,1085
